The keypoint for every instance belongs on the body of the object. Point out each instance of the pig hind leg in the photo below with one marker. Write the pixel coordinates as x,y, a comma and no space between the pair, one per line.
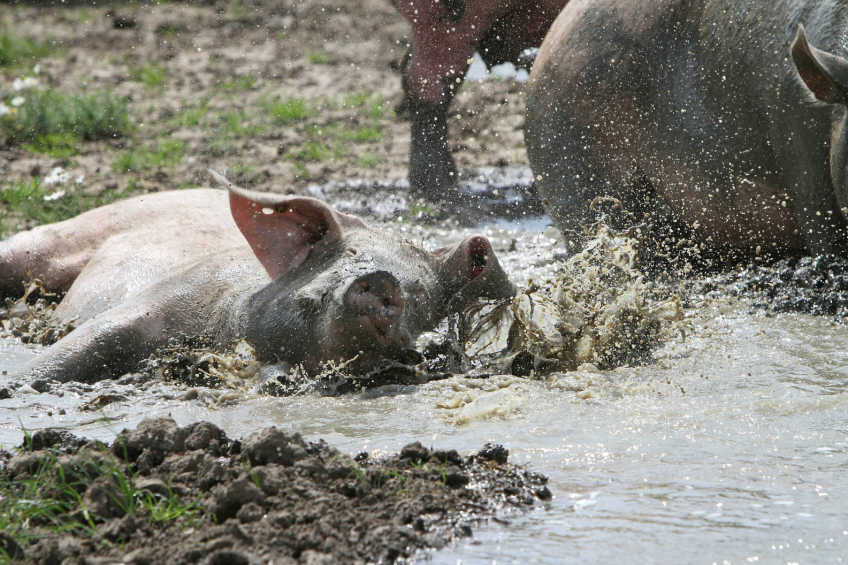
43,254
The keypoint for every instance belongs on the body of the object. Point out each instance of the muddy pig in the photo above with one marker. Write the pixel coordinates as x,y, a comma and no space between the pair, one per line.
445,35
726,118
298,280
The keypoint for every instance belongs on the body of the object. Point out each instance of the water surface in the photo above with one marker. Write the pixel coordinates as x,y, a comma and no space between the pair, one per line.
732,447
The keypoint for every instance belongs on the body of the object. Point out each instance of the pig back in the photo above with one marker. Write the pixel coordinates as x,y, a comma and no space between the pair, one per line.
159,236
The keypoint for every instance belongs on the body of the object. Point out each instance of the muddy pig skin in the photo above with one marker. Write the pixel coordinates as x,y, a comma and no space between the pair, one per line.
724,117
300,281
445,36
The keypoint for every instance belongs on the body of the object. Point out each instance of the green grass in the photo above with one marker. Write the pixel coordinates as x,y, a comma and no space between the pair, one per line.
151,75
369,105
55,145
16,51
238,124
364,133
239,9
49,499
189,117
168,153
49,119
370,160
26,200
312,151
319,58
287,111
244,82
244,173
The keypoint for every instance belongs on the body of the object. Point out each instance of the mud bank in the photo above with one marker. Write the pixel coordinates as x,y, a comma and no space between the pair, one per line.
167,494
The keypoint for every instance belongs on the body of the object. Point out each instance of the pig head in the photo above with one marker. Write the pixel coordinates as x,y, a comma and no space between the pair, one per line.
445,36
300,281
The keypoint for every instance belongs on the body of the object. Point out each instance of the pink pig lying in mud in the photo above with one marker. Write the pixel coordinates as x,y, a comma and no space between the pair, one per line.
298,280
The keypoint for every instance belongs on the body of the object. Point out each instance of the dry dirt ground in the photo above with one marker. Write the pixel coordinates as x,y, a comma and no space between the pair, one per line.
207,75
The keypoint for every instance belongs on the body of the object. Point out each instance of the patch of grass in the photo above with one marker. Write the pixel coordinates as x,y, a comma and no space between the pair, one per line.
91,116
165,30
237,124
239,9
56,145
167,153
319,58
312,151
287,110
189,117
167,509
377,108
364,133
50,498
300,170
244,82
151,75
370,106
245,174
370,160
26,200
16,51
128,162
356,100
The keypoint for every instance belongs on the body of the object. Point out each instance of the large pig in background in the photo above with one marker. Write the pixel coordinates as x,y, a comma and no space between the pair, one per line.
300,281
445,35
723,115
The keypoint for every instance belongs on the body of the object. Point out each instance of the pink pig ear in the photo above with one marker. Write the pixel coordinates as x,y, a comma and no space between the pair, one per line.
470,270
284,230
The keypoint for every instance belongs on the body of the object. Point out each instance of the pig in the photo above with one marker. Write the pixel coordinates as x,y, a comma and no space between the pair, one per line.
722,119
445,35
298,280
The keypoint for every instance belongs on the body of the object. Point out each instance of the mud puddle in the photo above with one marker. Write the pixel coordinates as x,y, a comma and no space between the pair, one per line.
502,195
726,443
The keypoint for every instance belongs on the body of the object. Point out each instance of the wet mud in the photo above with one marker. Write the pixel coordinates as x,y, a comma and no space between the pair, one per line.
483,195
810,285
162,493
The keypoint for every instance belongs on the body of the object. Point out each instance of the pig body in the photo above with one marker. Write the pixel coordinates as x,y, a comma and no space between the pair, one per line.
713,115
445,36
298,280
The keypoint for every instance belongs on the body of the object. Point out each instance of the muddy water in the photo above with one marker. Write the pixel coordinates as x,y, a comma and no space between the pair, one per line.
731,447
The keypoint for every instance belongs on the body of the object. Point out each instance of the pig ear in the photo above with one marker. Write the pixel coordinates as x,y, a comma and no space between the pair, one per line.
470,270
283,230
825,74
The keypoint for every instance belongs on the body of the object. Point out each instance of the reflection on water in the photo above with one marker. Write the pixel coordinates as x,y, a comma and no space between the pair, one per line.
731,448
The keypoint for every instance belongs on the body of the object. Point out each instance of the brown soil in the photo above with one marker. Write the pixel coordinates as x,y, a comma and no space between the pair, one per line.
271,497
322,51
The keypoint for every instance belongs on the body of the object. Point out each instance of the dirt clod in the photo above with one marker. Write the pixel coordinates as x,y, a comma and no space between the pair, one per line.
311,504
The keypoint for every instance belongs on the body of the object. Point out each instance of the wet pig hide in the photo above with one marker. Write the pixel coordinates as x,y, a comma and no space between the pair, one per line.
298,280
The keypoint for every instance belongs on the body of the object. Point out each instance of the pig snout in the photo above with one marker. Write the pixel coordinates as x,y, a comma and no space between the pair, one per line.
376,302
